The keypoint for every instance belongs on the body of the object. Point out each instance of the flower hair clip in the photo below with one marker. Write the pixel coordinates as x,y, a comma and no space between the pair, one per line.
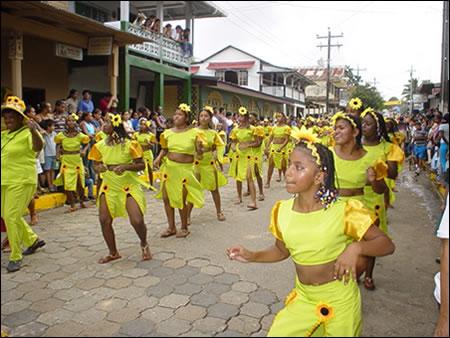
74,116
342,115
209,109
242,111
355,103
307,137
116,120
184,108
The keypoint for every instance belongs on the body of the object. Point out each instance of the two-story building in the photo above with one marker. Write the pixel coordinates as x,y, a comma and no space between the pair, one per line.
316,94
232,77
49,47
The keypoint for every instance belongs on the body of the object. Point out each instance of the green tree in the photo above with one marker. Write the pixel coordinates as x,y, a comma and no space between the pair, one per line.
407,89
353,80
369,95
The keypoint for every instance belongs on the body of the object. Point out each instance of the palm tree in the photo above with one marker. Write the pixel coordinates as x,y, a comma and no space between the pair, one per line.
407,89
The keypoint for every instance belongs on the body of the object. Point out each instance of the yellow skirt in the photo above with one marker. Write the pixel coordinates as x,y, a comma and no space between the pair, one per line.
116,188
211,178
375,202
176,176
71,170
244,160
331,309
277,156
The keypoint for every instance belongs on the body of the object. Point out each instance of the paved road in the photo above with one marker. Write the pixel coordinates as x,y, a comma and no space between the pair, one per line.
190,288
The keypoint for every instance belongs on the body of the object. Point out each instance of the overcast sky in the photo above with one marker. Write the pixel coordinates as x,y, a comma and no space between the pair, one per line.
385,38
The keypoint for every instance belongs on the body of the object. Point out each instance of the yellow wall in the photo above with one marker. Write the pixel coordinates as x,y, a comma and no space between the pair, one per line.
170,100
41,68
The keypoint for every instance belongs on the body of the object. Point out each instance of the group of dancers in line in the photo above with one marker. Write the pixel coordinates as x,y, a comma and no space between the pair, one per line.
341,171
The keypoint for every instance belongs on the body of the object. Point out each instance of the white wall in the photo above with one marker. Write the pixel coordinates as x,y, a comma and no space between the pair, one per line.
233,55
92,78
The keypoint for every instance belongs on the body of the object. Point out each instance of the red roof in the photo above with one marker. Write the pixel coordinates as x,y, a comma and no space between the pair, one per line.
194,69
319,73
231,65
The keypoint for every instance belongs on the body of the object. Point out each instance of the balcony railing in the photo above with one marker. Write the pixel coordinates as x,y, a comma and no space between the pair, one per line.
273,90
290,92
159,47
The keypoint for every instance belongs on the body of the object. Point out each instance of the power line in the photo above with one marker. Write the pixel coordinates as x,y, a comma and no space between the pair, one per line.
329,46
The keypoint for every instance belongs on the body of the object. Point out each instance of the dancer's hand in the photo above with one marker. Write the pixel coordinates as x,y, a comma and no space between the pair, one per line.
345,266
371,175
119,170
239,253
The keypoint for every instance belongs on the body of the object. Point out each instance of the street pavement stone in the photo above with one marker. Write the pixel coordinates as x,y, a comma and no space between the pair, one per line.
173,327
163,255
135,273
244,324
162,271
222,310
123,315
266,322
256,310
69,294
15,306
61,284
80,304
234,297
20,318
217,288
227,278
210,325
90,316
32,329
212,270
198,262
147,281
46,305
230,333
137,328
118,282
143,303
188,289
175,263
55,317
159,291
190,312
204,299
101,328
67,329
245,287
130,292
201,279
187,271
158,314
264,296
110,305
174,301
89,284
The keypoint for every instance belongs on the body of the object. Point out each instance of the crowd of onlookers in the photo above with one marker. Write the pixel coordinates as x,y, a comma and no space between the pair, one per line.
178,34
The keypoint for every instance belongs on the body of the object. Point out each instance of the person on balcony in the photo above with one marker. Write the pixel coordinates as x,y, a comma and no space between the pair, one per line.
167,32
149,22
178,33
186,46
156,26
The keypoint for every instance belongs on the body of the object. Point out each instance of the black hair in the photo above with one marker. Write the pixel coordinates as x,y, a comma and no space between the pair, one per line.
327,164
210,124
382,131
84,115
86,91
72,91
445,118
47,123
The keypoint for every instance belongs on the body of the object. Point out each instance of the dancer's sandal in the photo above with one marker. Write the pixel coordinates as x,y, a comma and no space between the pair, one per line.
167,233
146,254
220,216
368,283
182,233
109,258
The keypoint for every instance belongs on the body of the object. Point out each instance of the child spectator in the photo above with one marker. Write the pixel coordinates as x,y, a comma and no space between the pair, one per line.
50,164
420,147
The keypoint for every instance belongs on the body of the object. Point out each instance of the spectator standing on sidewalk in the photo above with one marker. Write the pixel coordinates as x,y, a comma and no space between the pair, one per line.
86,105
50,164
72,101
441,278
442,139
60,115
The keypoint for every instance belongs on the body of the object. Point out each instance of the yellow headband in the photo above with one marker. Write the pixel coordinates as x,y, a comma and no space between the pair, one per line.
16,104
309,139
242,111
209,109
355,103
341,115
184,108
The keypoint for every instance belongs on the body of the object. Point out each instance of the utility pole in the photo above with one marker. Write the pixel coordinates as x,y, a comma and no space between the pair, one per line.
358,70
374,82
329,45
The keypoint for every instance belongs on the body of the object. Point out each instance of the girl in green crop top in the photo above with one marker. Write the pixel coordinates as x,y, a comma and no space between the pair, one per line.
327,240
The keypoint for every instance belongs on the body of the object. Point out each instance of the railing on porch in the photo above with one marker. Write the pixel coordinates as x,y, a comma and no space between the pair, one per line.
159,47
290,92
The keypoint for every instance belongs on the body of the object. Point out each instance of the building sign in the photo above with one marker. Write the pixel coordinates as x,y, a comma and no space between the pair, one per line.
69,52
100,46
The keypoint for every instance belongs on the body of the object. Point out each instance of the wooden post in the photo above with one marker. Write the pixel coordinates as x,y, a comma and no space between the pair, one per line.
15,54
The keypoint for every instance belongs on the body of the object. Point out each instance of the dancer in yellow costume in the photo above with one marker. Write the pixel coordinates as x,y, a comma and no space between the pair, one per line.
277,148
119,159
354,168
246,141
327,240
206,168
259,153
146,139
71,173
386,157
179,186
21,142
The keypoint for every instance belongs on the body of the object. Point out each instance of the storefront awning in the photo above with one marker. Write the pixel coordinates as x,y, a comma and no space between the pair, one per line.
231,65
46,21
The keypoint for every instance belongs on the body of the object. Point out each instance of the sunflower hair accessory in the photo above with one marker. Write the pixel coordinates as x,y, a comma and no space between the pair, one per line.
16,104
74,116
184,108
307,137
342,115
148,123
116,120
373,114
355,103
209,109
242,111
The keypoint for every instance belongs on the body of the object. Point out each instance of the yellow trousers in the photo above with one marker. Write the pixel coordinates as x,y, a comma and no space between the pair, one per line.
15,199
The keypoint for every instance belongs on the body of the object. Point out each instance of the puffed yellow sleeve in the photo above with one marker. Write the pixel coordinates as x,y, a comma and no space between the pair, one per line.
233,135
84,139
136,150
381,169
357,219
59,138
95,154
163,140
152,138
201,136
274,227
395,154
258,131
218,142
99,136
134,137
287,131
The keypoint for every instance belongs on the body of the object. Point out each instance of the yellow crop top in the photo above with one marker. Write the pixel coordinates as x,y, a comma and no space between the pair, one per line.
246,134
71,143
182,143
212,138
144,138
282,131
351,174
319,237
116,154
